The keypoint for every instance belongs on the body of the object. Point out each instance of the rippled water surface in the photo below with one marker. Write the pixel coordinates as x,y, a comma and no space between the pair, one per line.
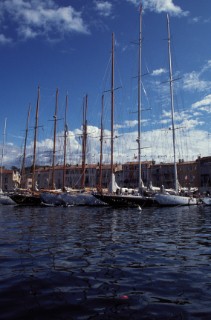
104,263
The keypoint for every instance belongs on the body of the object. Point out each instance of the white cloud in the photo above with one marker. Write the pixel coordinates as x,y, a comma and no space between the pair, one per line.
191,123
183,120
4,40
127,124
206,67
164,6
104,8
160,6
135,2
156,144
204,104
192,81
39,17
199,19
27,32
195,19
158,72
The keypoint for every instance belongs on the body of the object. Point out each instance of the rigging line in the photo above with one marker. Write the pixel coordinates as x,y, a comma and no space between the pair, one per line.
167,81
106,74
104,81
141,148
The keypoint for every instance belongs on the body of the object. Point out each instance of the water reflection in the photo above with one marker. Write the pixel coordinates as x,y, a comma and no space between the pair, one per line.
103,263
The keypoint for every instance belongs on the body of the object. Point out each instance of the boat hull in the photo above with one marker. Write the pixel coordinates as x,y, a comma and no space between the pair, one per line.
26,199
169,200
126,200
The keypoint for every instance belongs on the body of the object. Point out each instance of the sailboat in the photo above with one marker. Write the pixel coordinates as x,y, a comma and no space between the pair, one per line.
82,197
164,198
4,198
67,196
30,197
140,197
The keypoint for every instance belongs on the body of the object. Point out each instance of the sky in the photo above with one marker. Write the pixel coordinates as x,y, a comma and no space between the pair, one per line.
67,45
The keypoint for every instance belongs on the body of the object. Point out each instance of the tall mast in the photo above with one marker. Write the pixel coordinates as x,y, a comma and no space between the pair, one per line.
140,183
35,139
54,140
2,154
65,142
172,103
84,142
112,111
24,150
101,144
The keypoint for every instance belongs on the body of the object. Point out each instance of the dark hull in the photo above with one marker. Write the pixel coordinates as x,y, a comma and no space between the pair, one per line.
127,201
26,200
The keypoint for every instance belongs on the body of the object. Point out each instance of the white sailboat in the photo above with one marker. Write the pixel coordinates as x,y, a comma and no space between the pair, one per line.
164,198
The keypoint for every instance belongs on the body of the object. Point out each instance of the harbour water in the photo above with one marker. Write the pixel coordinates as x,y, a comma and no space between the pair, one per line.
104,263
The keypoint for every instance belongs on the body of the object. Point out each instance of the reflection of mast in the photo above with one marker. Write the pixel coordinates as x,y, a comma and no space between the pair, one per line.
24,150
101,146
84,141
2,154
172,104
54,141
35,139
65,142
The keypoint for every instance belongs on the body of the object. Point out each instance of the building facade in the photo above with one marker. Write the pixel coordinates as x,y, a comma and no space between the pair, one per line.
130,172
10,179
187,172
73,176
204,172
190,174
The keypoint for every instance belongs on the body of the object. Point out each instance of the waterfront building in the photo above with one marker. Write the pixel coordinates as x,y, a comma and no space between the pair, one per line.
73,175
204,172
163,174
130,172
10,179
190,174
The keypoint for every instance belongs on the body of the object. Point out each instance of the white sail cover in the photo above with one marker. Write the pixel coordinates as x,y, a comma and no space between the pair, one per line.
113,186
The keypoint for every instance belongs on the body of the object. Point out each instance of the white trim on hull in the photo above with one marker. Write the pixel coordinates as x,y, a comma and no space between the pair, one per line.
174,200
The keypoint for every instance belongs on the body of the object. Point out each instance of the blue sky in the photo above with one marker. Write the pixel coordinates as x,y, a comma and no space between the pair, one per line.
67,45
